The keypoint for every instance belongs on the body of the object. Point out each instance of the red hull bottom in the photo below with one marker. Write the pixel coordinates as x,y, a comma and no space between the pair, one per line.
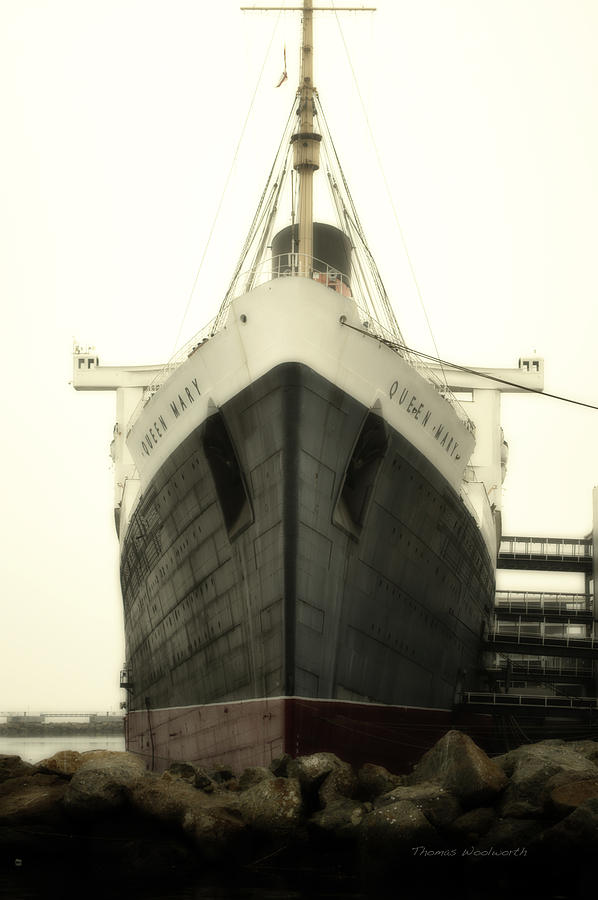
254,732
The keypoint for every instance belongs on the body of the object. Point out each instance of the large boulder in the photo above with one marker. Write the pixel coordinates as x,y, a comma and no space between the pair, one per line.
32,799
566,797
339,821
13,767
457,764
273,807
438,805
396,828
324,778
576,832
216,831
373,781
535,770
254,775
65,762
473,824
102,783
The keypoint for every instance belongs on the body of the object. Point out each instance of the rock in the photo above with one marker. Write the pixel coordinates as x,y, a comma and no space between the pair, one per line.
587,749
215,831
324,774
576,832
102,783
203,781
65,762
279,766
531,768
472,825
311,770
462,768
180,771
253,775
372,781
438,806
223,775
273,806
567,797
13,767
398,827
511,834
339,820
32,799
341,782
165,801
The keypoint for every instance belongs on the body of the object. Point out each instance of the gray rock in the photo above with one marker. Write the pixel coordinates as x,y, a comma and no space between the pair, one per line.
398,827
167,801
223,775
279,766
531,769
566,797
462,768
274,807
438,805
340,782
253,775
13,767
215,831
310,771
340,819
588,749
372,781
180,771
32,799
578,831
472,825
511,834
102,783
65,762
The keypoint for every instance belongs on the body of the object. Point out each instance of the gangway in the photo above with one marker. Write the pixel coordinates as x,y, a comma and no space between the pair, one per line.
484,701
517,641
548,554
544,606
558,669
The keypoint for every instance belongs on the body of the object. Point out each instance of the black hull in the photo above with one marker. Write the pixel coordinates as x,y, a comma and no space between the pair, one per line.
294,544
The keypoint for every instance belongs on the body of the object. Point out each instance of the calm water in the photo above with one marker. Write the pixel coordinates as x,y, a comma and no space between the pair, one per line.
32,749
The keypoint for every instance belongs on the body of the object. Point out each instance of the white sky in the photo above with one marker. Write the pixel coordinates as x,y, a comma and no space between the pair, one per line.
120,120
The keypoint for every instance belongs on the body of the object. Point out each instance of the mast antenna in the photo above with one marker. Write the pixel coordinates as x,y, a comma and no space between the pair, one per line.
306,141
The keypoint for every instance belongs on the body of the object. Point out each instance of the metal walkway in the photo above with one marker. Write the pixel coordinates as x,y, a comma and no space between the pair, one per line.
549,554
542,645
558,670
542,606
486,701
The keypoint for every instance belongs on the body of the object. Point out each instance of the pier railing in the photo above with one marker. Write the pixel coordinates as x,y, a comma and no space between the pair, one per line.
519,700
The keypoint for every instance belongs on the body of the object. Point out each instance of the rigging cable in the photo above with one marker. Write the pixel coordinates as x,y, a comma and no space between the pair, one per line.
392,204
443,362
226,184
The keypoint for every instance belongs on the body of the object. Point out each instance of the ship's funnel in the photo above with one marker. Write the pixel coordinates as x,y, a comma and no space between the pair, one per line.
332,250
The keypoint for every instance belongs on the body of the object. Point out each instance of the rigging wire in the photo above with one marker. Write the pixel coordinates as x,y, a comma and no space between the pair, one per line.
387,186
226,184
451,365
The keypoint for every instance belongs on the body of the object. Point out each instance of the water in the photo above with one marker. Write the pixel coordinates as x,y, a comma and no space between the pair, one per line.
33,749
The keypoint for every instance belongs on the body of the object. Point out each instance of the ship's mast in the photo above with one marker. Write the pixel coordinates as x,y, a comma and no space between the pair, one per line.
306,144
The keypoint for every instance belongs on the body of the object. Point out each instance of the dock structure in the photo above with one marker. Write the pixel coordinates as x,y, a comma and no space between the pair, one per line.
542,648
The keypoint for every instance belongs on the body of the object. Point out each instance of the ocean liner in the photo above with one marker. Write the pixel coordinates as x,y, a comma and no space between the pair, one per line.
308,519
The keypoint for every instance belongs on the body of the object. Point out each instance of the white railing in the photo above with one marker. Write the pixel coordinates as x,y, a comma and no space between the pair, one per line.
531,700
294,265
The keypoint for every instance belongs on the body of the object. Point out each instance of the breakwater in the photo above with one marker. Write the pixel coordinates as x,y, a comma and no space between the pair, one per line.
529,816
24,729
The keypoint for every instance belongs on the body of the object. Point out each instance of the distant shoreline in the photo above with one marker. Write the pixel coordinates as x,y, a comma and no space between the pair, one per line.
61,729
